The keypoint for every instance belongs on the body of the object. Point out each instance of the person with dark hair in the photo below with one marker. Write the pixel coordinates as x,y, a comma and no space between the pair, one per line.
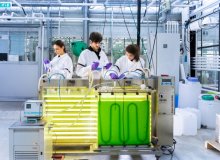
130,65
93,58
61,65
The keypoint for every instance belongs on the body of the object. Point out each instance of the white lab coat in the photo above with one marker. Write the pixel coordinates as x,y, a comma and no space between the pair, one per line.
61,65
124,65
85,61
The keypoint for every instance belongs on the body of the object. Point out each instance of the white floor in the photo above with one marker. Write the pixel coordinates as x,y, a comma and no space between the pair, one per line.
187,147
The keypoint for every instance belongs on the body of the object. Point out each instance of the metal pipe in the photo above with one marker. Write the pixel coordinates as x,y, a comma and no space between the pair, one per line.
68,19
59,25
175,2
42,48
67,9
85,24
219,51
111,29
196,19
138,22
80,4
200,9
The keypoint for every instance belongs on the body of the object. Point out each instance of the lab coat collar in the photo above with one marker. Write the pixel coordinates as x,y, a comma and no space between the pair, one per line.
60,56
97,53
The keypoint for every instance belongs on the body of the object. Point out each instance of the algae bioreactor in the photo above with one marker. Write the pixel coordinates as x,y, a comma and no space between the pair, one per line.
109,117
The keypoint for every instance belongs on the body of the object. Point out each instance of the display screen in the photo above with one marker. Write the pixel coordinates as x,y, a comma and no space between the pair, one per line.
28,106
166,80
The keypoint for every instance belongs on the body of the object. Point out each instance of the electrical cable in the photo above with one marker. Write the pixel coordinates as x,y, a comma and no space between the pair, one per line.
168,150
126,24
103,31
133,17
23,11
155,37
145,11
136,28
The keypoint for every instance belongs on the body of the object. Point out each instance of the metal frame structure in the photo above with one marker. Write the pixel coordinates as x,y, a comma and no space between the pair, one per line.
194,46
161,91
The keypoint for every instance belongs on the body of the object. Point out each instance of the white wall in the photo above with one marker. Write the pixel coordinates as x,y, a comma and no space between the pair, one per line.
18,80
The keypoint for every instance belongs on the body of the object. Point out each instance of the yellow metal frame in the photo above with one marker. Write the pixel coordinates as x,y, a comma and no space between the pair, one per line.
72,114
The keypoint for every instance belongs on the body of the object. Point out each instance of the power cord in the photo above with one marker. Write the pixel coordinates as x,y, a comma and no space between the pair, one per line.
168,150
126,24
155,37
103,32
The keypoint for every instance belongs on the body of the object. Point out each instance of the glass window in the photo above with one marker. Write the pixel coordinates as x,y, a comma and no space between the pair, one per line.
210,36
18,46
207,50
210,51
208,79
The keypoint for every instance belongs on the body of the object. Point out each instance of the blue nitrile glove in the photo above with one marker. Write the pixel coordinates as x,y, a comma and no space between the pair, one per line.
46,61
113,76
46,64
122,76
95,65
108,65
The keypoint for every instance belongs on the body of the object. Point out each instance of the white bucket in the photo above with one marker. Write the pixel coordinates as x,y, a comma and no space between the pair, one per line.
209,109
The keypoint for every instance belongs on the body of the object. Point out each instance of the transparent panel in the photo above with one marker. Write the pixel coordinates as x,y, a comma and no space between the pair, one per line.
210,51
209,79
18,46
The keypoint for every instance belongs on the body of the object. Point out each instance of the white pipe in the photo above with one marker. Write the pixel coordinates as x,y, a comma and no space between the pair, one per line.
182,5
175,2
171,31
59,25
39,81
82,4
177,27
151,3
112,16
69,19
170,27
200,9
42,48
206,69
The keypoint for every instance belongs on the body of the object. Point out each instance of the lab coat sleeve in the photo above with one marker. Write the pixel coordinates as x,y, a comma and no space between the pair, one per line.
117,67
82,69
68,68
141,64
66,71
106,59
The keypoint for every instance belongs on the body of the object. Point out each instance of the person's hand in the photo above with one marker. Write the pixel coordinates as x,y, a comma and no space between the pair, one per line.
95,65
46,64
113,76
46,61
122,76
108,65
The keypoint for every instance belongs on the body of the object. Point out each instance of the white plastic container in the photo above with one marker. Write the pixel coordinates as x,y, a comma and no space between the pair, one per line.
177,125
217,130
189,124
197,112
185,122
188,93
209,109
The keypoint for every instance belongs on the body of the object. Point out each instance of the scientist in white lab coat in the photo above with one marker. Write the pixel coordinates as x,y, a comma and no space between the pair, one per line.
93,59
130,65
61,65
